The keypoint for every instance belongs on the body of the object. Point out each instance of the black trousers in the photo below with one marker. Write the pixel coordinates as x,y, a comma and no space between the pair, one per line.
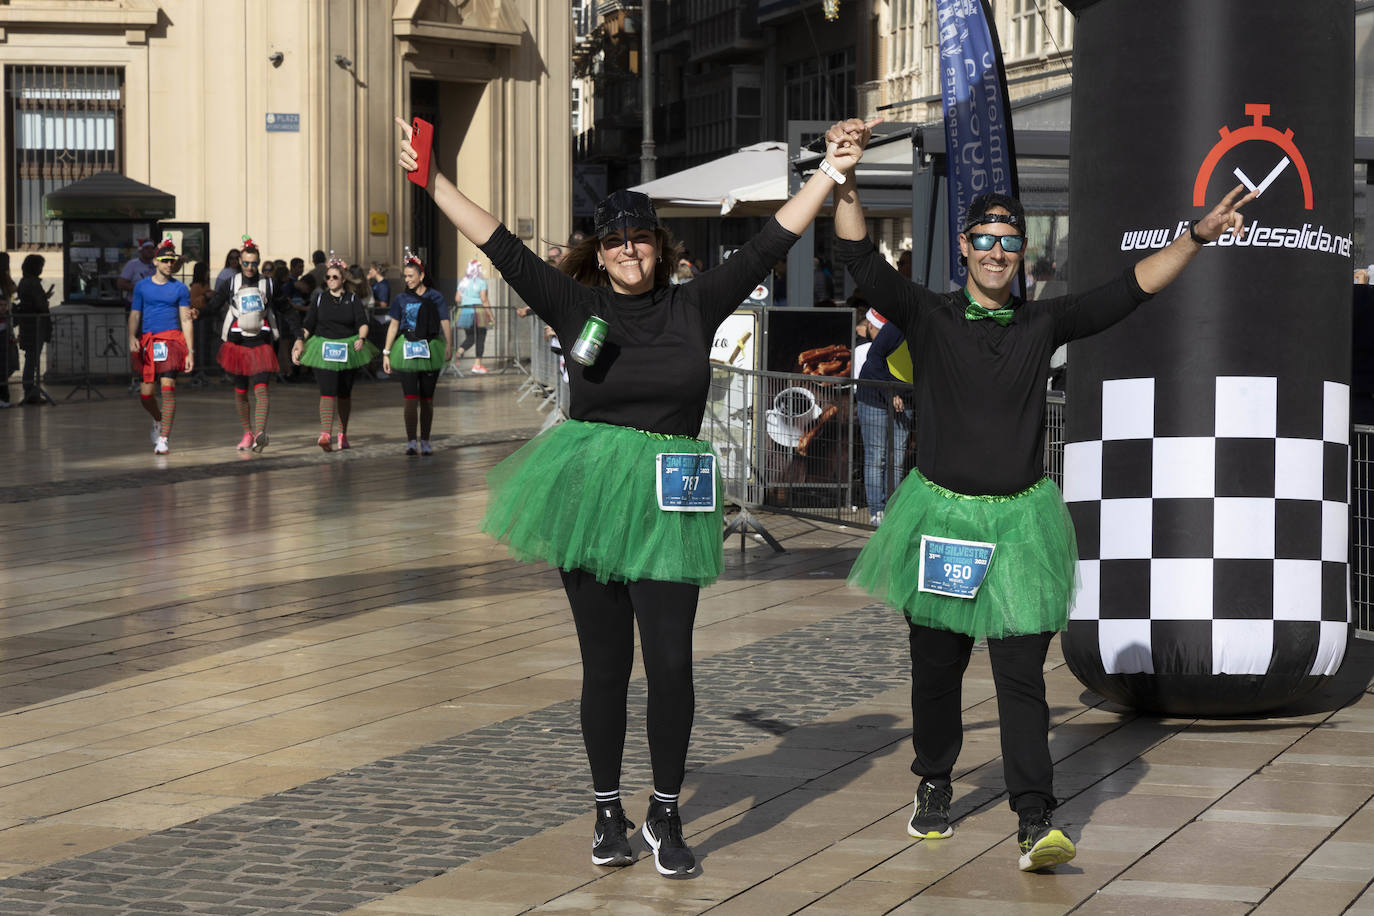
938,661
606,616
33,357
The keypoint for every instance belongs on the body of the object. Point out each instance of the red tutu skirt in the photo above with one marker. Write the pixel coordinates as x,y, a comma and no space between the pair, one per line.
240,360
175,355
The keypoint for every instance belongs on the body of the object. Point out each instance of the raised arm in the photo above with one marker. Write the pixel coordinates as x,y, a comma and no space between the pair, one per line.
801,209
1163,267
892,294
475,223
720,289
544,288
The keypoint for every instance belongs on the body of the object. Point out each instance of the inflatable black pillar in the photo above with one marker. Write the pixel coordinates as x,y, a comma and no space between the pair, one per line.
1208,434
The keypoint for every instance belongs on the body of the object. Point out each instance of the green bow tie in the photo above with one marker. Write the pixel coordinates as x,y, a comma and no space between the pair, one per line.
975,312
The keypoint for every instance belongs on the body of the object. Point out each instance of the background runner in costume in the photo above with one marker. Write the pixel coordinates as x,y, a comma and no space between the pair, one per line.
248,352
418,336
160,332
334,343
474,316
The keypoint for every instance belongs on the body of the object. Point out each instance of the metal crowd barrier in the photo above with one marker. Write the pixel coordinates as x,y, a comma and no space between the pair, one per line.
1362,526
506,347
793,444
546,381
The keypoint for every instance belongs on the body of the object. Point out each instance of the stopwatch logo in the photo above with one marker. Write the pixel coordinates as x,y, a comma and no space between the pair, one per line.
1259,131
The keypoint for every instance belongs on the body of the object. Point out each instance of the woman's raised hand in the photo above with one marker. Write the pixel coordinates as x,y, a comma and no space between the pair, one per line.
407,160
851,131
845,142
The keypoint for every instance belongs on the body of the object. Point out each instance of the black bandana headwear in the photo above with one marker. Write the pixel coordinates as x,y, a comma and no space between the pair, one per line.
978,214
622,211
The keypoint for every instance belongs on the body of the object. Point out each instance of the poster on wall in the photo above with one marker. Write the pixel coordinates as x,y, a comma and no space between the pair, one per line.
729,411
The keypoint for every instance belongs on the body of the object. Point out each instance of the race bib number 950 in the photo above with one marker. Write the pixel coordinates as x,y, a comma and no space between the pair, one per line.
953,567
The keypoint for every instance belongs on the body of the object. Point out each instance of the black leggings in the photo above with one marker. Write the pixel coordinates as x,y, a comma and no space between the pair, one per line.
938,660
335,383
605,616
474,334
418,384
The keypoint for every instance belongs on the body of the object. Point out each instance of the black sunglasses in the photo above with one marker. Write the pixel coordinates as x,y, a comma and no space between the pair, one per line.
983,241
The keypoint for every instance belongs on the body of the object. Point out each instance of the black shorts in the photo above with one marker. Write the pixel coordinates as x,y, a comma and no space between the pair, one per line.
419,384
244,382
335,383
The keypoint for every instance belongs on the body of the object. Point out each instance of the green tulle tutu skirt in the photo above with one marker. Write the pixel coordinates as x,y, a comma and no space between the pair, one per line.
1029,582
313,354
435,362
584,496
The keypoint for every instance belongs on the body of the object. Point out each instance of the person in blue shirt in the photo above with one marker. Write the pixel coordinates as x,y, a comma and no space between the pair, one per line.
879,403
474,316
381,286
418,337
159,328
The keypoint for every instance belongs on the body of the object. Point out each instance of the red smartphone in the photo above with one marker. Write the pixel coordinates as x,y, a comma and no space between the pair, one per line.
422,138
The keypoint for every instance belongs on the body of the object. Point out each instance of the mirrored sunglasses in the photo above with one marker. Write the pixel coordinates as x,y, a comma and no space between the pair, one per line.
983,241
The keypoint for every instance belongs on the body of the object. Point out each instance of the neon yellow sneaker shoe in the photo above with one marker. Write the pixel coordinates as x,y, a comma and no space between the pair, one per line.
1042,844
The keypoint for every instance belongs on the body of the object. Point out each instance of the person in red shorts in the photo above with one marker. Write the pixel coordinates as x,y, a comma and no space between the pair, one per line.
159,327
248,351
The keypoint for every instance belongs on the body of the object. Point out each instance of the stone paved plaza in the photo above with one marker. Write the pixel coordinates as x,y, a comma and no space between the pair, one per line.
304,682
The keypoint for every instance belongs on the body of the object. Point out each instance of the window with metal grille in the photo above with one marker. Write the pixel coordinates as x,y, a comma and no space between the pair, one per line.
1036,28
816,89
62,124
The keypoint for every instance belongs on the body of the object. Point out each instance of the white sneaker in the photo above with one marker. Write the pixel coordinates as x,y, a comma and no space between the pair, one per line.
426,448
161,447
4,404
156,432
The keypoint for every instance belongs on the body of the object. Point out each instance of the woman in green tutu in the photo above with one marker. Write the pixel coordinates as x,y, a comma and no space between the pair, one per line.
623,498
334,343
417,343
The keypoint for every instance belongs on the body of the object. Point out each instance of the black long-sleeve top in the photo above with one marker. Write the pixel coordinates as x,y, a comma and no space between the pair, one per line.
335,317
653,372
980,387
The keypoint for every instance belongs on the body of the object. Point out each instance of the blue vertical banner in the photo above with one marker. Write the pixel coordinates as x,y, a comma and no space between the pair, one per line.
978,135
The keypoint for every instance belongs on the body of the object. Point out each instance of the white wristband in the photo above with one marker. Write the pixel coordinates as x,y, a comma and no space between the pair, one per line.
835,174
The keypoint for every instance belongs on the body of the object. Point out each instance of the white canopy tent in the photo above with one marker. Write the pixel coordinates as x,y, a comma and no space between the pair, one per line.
750,182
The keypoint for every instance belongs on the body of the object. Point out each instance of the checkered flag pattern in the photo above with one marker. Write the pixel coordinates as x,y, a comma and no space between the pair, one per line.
1223,553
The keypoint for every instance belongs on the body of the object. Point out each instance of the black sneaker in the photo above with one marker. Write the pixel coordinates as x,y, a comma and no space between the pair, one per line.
1042,844
930,820
663,832
610,845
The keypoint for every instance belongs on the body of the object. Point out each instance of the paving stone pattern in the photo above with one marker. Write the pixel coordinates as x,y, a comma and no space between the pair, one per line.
239,467
339,842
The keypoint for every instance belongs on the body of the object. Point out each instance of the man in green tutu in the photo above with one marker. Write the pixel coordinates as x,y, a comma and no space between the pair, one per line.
977,543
